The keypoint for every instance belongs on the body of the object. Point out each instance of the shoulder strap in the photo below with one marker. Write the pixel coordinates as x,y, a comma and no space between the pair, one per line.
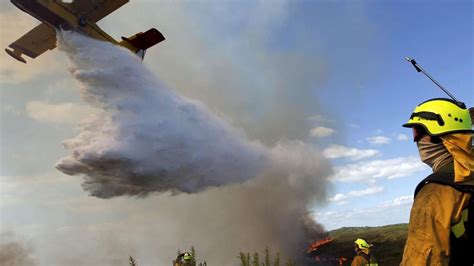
365,256
443,178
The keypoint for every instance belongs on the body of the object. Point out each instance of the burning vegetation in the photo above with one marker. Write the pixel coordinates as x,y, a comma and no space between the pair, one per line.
318,258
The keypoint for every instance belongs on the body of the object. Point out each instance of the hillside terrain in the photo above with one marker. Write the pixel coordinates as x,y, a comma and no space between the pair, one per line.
388,242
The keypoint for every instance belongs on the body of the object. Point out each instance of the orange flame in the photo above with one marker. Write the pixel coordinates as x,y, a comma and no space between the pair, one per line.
318,244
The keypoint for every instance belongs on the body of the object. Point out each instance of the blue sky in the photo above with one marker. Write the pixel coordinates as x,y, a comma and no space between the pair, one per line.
439,35
329,73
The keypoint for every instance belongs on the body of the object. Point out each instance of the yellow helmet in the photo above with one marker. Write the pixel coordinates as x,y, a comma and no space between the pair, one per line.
441,116
187,257
362,244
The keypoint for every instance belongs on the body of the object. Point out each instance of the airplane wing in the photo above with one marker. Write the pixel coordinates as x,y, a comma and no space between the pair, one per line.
95,10
35,42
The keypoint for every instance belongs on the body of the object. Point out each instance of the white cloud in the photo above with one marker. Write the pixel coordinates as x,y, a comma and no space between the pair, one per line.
392,168
378,140
321,132
365,192
69,113
402,137
400,201
338,151
355,194
380,214
338,197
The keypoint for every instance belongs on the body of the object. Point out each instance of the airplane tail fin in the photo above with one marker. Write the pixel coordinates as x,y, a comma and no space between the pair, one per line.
141,41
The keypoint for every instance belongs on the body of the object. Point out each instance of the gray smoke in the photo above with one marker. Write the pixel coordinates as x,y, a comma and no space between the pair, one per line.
13,252
147,138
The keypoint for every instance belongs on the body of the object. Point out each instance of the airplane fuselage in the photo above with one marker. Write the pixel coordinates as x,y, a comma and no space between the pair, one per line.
61,15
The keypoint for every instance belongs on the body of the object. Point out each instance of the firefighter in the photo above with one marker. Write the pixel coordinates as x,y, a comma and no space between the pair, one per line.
363,256
185,259
438,232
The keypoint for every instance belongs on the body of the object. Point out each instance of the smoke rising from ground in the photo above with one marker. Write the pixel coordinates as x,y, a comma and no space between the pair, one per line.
14,253
147,138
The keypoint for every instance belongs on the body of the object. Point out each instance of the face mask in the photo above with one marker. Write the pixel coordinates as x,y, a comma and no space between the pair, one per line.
433,154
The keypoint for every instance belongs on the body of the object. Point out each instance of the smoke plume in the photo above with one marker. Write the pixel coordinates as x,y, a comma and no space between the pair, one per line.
147,138
14,253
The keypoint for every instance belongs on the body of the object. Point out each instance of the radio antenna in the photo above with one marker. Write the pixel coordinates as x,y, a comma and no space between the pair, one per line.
420,69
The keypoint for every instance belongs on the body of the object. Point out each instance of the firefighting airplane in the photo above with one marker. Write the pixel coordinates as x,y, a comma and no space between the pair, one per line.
80,16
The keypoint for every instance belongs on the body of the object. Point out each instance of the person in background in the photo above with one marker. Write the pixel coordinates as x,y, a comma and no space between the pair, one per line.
363,256
185,259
